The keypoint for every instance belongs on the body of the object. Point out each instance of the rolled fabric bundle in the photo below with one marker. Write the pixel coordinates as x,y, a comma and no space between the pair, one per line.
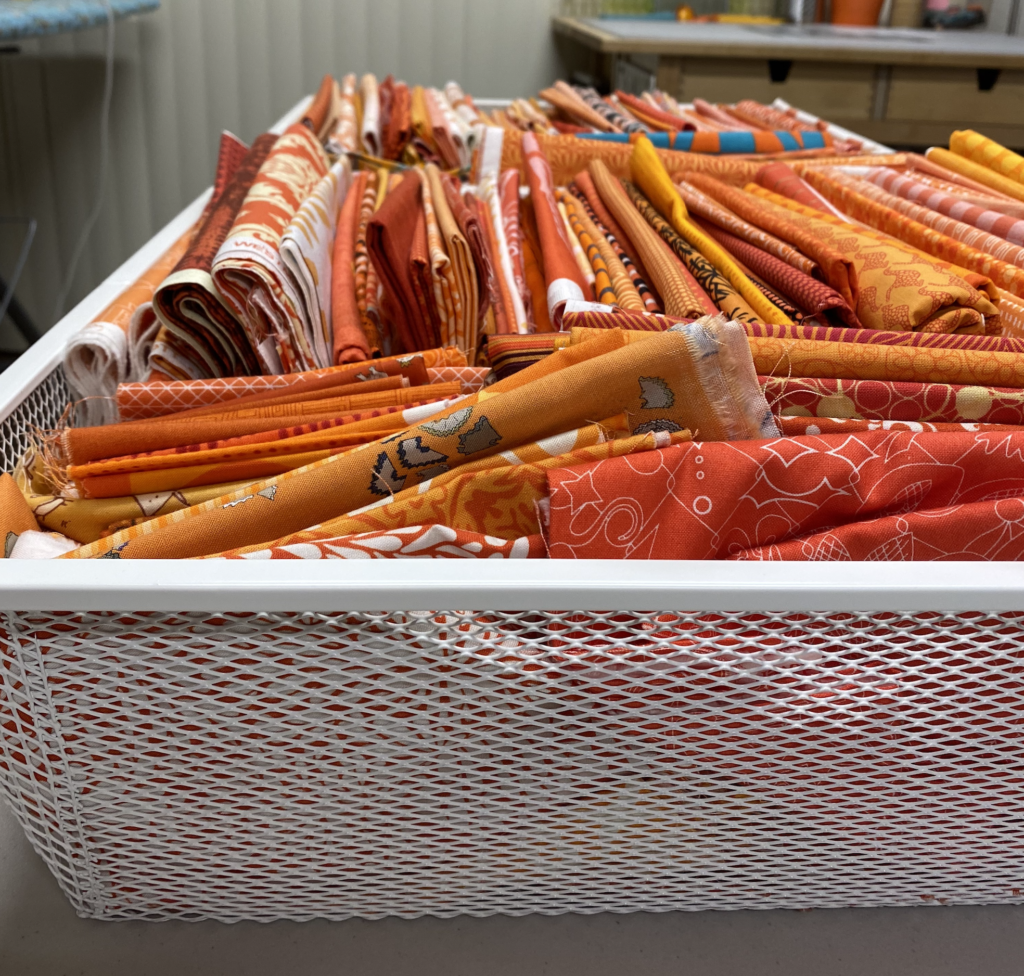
462,104
385,95
422,131
608,112
399,130
96,358
652,116
422,282
568,101
462,265
188,303
715,213
652,178
567,156
307,246
958,230
811,296
389,239
977,197
320,116
446,281
680,298
344,138
781,179
248,270
348,340
933,294
577,250
906,340
723,143
949,203
563,277
721,119
369,132
918,235
976,172
469,223
974,146
508,195
603,289
608,223
451,134
625,292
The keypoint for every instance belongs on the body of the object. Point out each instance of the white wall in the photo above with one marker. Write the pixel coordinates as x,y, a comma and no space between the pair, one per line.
196,67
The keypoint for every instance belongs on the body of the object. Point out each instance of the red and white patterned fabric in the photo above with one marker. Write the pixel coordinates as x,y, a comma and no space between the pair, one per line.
880,495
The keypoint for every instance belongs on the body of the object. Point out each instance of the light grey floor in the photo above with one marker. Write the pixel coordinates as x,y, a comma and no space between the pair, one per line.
40,935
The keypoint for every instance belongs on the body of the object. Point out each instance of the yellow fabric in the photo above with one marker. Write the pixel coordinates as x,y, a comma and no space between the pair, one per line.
980,149
650,175
976,171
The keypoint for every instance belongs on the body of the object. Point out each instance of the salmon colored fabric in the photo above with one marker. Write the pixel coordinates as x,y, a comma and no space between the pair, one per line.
248,270
412,542
499,499
873,361
680,299
349,339
651,177
319,116
464,288
939,340
713,212
781,179
976,172
389,239
187,301
700,381
137,401
881,495
810,296
802,426
980,149
888,400
563,277
534,272
899,286
950,200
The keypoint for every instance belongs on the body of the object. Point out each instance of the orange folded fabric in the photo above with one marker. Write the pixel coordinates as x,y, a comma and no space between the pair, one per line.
781,179
563,277
319,117
363,270
399,127
15,515
349,339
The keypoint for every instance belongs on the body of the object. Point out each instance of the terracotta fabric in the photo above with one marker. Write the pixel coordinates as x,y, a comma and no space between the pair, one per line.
976,172
980,149
679,298
319,116
899,286
563,278
881,495
422,281
399,129
810,295
369,321
472,230
348,340
248,270
885,400
498,499
713,212
781,179
584,316
949,202
386,96
463,270
508,195
137,401
510,354
306,249
187,301
389,241
15,515
651,177
646,381
939,340
801,426
958,230
412,542
472,378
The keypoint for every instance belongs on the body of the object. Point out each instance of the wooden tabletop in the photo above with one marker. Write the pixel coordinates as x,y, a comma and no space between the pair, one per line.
806,42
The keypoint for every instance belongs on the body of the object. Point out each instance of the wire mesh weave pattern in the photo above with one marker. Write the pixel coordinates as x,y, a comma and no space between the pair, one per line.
368,764
42,408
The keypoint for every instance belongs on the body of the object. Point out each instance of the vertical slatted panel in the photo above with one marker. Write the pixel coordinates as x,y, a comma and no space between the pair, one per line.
196,67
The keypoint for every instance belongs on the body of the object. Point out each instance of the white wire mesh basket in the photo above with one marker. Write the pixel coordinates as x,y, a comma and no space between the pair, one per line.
266,740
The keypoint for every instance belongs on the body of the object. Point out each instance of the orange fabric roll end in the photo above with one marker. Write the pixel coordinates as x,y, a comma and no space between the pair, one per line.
350,345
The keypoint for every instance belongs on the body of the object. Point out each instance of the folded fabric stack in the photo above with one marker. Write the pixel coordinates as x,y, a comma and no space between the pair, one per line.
579,326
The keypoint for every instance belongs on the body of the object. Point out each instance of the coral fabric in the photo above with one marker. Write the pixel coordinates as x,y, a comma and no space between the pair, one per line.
349,342
781,179
810,295
884,400
563,277
950,203
941,340
248,270
877,495
976,172
218,336
800,426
